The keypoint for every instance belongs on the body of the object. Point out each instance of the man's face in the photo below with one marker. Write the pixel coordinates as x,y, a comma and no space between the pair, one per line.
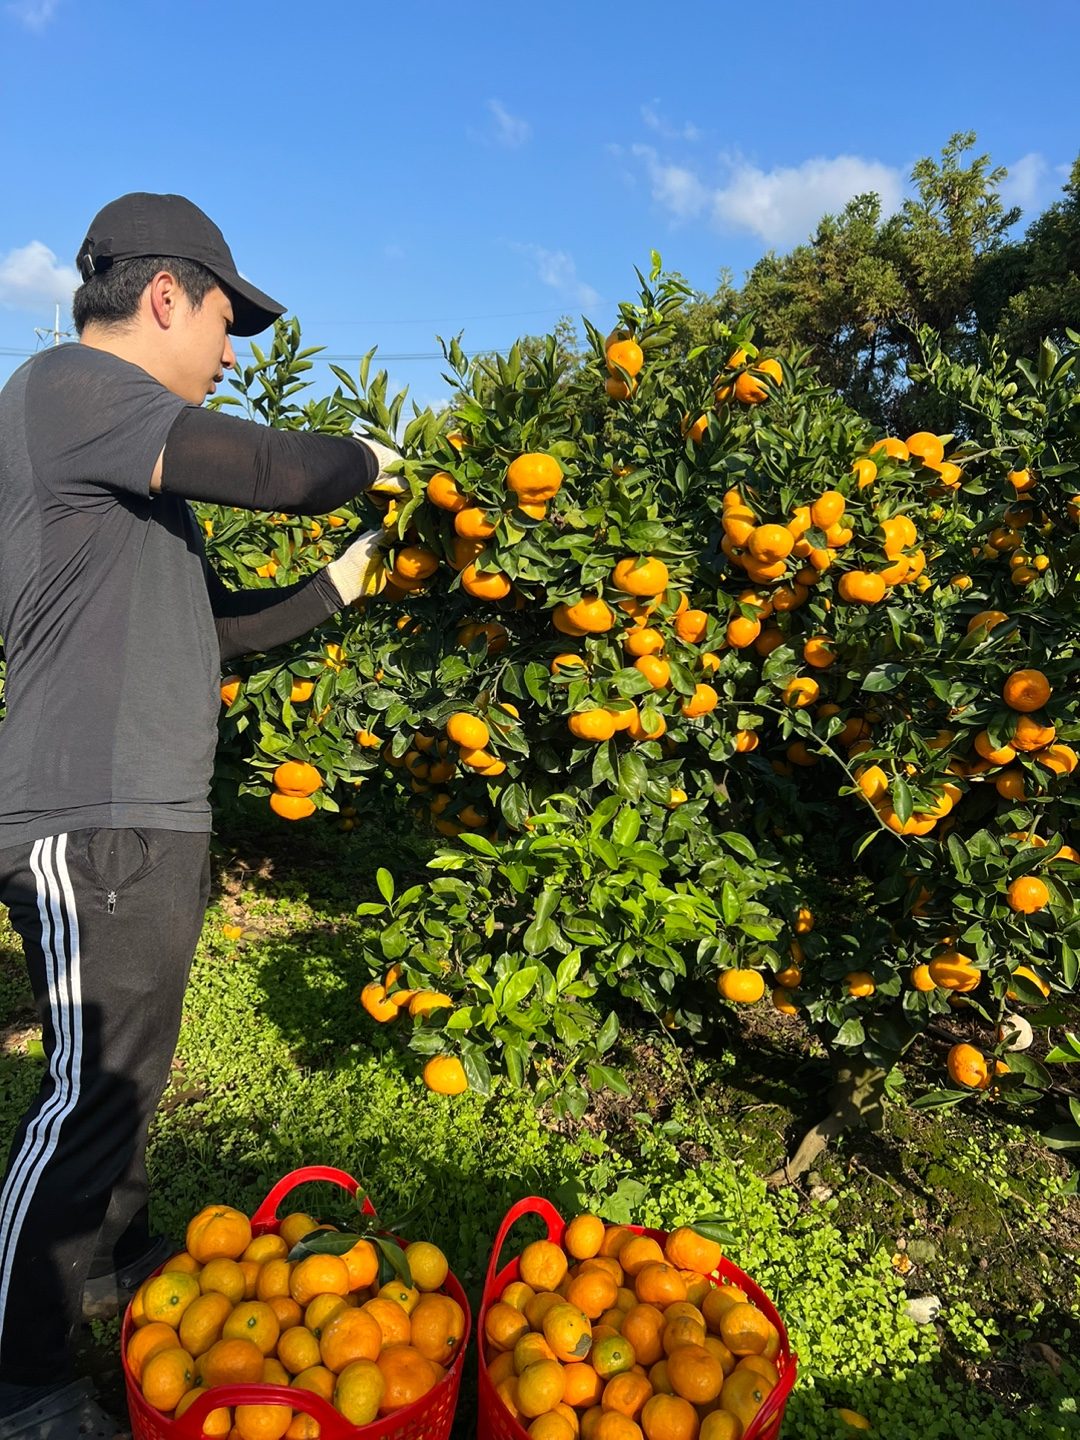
201,350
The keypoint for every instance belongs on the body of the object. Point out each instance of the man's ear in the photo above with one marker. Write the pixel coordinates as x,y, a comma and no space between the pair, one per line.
163,292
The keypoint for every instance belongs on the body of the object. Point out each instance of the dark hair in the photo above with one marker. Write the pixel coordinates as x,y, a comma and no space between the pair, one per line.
112,296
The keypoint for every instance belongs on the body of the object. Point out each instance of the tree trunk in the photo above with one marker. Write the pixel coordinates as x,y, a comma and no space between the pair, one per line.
855,1096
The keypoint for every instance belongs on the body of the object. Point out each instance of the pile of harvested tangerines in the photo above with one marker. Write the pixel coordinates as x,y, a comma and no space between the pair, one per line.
233,1309
611,1336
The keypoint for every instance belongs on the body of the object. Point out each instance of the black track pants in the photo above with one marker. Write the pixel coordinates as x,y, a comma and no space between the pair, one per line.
109,921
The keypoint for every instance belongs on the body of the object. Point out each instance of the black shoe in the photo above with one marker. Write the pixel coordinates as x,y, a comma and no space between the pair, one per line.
109,1295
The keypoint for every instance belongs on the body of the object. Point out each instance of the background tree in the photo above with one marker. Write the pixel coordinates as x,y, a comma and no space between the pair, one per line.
1031,290
859,290
484,370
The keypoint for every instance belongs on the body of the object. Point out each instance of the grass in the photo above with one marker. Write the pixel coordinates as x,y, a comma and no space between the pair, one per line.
278,1067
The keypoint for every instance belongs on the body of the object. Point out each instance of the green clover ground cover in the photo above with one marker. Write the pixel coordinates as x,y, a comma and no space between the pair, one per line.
279,1067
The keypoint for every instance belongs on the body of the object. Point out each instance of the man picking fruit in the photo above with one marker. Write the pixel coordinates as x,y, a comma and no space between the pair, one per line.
114,629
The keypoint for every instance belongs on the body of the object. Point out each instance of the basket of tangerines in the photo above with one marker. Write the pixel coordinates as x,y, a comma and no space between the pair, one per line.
616,1332
285,1329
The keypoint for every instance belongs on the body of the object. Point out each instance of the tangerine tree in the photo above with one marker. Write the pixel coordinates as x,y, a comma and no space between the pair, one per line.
660,637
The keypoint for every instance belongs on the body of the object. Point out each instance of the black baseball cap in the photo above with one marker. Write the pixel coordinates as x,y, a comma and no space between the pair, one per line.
142,224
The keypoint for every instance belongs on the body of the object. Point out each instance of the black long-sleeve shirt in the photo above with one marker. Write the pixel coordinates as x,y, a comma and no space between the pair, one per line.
107,601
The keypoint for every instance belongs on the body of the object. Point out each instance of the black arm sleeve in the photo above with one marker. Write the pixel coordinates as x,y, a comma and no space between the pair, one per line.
225,461
251,622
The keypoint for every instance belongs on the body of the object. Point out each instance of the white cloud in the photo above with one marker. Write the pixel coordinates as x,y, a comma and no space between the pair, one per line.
783,205
33,14
655,121
32,276
1024,183
673,186
509,129
557,269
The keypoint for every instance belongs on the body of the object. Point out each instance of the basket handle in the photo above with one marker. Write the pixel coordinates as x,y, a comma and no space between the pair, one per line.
332,1424
266,1214
777,1396
531,1205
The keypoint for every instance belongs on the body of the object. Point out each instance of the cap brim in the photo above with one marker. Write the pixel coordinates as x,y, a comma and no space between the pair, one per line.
253,309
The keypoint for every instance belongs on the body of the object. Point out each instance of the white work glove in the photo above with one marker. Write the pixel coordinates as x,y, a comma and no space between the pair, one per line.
390,480
360,569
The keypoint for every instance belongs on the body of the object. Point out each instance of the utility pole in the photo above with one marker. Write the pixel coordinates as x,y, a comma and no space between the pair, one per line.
56,334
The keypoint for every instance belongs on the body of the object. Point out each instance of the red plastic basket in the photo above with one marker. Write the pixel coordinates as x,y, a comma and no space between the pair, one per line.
495,1421
430,1418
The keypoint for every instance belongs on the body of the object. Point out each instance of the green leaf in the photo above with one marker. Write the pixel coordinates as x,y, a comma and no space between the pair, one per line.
884,678
324,1242
1067,1053
603,770
514,804
627,826
394,940
609,1033
730,904
938,1099
477,1070
540,936
515,1065
601,1076
385,881
569,968
1062,1137
715,1230
850,1033
623,1204
601,816
739,843
546,905
394,1258
958,855
633,776
519,986
1029,1069
902,801
1070,965
536,682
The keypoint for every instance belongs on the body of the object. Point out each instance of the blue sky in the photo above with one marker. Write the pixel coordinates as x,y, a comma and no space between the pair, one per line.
398,172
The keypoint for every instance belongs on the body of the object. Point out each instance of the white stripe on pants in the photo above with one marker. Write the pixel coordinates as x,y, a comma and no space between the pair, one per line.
60,944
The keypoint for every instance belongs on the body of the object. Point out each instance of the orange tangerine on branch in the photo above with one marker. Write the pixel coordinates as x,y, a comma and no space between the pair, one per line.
1026,690
861,587
1027,894
643,576
624,354
968,1067
926,446
295,778
534,477
742,986
591,614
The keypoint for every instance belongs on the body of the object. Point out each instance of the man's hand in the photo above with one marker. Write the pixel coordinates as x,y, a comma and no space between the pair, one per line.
390,480
360,569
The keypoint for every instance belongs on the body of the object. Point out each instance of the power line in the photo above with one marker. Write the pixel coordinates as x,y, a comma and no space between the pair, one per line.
448,319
